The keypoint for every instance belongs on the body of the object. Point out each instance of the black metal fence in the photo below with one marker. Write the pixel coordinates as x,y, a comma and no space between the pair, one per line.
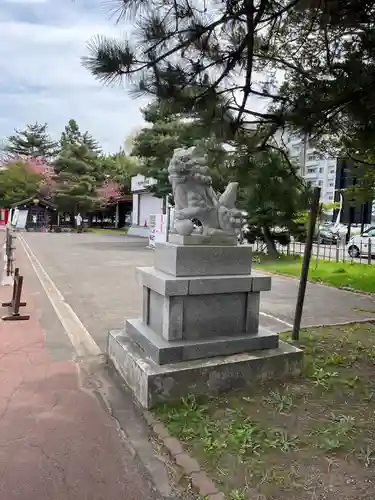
363,252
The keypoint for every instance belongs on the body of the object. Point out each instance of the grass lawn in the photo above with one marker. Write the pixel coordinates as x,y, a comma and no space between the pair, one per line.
107,230
310,438
359,277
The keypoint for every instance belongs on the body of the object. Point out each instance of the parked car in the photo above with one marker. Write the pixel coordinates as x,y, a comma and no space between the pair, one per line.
359,244
327,237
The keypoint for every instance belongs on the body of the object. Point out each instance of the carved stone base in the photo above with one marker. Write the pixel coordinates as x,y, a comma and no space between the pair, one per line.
163,352
203,260
152,383
199,331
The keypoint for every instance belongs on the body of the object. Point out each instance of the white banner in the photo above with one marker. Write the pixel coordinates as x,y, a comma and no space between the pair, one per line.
158,229
14,218
151,236
21,219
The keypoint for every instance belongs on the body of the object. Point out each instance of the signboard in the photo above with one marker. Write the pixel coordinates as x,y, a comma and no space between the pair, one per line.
151,225
158,229
21,219
140,182
14,216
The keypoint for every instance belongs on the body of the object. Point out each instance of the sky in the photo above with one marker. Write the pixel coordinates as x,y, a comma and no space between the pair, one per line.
41,77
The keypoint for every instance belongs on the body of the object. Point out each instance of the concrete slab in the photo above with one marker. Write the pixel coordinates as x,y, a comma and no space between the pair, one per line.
152,383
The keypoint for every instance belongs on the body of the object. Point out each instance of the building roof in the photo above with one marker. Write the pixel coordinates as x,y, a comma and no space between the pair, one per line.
42,201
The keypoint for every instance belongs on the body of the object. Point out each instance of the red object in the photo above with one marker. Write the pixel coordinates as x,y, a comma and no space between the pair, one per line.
4,214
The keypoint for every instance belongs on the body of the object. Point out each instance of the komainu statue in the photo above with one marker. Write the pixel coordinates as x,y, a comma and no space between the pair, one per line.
195,198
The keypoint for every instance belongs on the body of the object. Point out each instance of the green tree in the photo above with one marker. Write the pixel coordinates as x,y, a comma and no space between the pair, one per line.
119,168
33,141
154,146
272,194
260,64
73,136
79,175
17,183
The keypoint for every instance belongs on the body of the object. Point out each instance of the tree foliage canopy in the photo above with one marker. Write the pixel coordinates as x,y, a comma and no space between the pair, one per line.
273,194
259,64
119,168
73,136
79,170
154,146
32,142
17,183
79,176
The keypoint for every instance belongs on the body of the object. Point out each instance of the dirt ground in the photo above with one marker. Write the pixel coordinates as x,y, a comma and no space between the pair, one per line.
311,438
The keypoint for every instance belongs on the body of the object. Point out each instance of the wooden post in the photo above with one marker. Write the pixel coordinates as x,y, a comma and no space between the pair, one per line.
314,208
15,304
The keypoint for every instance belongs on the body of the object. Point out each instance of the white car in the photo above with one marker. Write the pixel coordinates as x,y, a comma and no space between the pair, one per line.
359,244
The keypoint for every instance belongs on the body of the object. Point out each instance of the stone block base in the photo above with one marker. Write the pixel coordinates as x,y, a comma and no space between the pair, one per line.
152,383
163,352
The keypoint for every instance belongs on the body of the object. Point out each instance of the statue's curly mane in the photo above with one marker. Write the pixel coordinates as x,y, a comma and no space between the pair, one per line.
186,163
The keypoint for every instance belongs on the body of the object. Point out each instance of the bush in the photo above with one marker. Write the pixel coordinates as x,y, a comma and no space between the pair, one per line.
283,238
252,233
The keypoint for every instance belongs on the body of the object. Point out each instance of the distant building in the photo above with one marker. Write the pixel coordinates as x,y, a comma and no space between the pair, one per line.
144,205
346,177
317,170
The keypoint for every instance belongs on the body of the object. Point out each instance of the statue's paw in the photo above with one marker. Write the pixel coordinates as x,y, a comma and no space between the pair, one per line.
184,227
229,219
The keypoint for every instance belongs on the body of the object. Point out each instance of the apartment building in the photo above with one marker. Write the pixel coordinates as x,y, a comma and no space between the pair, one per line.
316,169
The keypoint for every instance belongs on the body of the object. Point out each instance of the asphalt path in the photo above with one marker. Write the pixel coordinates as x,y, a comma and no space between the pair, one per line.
95,273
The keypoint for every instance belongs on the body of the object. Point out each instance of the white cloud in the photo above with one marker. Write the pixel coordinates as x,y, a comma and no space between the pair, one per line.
41,77
25,1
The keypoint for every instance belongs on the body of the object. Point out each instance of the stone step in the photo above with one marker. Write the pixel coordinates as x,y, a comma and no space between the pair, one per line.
162,351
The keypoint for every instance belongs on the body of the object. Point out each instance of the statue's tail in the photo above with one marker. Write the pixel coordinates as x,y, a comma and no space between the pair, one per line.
228,198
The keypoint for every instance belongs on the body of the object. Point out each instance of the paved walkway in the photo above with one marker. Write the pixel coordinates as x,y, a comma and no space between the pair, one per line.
96,275
56,441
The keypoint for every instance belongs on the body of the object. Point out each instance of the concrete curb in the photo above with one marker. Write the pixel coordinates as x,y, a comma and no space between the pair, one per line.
191,468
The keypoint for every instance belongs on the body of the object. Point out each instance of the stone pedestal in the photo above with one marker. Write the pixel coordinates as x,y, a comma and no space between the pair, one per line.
200,302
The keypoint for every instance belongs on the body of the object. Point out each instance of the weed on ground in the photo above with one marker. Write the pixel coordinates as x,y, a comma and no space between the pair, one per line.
310,438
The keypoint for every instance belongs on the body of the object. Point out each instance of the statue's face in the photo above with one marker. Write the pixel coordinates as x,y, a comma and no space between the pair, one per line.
189,165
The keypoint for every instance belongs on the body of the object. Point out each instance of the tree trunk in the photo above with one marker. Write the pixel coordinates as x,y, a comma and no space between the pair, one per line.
271,247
